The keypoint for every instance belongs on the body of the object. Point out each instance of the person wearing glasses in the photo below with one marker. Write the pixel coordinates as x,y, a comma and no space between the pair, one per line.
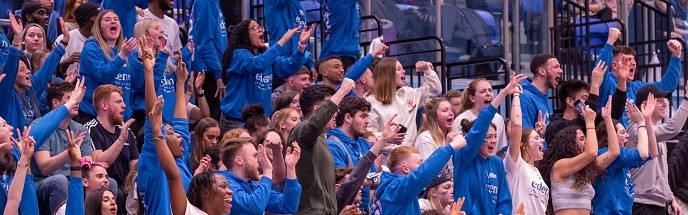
248,69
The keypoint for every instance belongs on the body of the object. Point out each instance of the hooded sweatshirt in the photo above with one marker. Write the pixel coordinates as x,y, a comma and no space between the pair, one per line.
126,12
99,70
343,18
614,189
285,15
347,152
209,35
669,81
256,197
16,114
249,78
533,101
164,84
482,181
399,194
651,180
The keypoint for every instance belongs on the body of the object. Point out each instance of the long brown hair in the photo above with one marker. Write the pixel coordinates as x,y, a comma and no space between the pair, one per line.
385,80
525,137
430,123
466,103
101,40
198,145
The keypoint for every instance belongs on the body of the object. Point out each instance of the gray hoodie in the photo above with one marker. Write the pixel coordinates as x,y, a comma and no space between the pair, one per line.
651,182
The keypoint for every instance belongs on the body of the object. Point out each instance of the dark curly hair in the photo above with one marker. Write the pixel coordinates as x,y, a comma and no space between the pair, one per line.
312,95
254,117
240,40
564,146
201,184
351,105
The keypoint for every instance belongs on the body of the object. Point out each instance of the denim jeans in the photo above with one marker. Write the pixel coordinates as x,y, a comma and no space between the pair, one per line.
51,191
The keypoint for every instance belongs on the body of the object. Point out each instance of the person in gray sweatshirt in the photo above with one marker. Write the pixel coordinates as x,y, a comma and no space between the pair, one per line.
652,192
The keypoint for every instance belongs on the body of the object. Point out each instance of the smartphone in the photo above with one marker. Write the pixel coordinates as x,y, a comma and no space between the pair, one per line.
580,105
402,129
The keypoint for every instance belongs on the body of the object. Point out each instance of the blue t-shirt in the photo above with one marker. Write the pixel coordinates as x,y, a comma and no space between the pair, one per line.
614,191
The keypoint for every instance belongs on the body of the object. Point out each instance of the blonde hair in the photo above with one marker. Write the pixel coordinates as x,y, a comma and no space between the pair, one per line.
385,84
430,123
234,133
26,30
280,116
101,40
466,103
141,31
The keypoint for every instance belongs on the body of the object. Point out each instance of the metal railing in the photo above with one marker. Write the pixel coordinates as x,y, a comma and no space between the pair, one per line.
426,55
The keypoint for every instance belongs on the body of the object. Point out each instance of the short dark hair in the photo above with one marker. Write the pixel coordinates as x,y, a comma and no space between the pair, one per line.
340,174
313,95
539,61
56,91
200,186
622,49
232,147
569,88
351,105
254,116
328,58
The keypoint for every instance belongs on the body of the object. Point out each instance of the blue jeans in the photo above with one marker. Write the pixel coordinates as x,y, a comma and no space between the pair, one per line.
52,191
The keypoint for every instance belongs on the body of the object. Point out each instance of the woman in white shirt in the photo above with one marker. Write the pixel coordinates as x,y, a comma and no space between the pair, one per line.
435,128
390,96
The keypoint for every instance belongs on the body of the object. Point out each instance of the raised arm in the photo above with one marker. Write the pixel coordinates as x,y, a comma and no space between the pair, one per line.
14,193
648,148
566,167
75,200
516,128
180,101
196,88
672,76
605,159
288,202
432,86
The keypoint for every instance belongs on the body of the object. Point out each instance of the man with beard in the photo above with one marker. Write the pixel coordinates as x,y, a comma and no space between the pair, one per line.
331,68
52,163
252,191
534,100
617,56
113,142
53,25
156,11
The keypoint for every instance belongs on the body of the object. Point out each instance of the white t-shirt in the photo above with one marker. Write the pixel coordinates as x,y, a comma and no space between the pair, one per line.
426,146
426,205
169,26
497,120
61,210
526,185
76,44
193,210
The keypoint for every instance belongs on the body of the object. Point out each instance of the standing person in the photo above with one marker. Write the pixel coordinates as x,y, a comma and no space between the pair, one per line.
249,69
391,96
477,96
209,33
105,61
653,194
546,73
126,11
618,56
525,182
286,15
113,142
84,14
614,188
331,69
316,167
479,175
342,21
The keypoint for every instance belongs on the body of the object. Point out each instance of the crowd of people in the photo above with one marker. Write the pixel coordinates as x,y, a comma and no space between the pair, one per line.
112,117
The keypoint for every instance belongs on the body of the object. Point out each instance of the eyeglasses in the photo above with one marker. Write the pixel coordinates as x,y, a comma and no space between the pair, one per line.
257,29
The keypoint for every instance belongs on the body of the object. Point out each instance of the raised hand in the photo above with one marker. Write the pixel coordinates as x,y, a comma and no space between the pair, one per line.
204,165
514,85
263,162
378,162
381,48
634,114
146,56
16,24
124,134
675,47
26,143
456,207
164,47
293,155
77,94
287,36
65,30
155,115
589,115
598,73
458,142
648,106
273,143
614,34
74,144
623,71
540,125
346,86
607,109
422,66
198,83
182,73
306,34
128,47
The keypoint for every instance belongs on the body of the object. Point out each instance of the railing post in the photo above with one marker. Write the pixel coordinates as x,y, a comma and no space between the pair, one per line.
438,33
505,32
244,9
516,37
549,11
367,5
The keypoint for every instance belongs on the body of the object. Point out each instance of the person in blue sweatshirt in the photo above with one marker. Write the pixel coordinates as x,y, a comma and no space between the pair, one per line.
13,190
614,187
104,60
41,130
342,23
399,189
126,11
614,56
283,16
151,180
75,198
252,191
23,91
479,175
209,34
249,68
331,69
546,73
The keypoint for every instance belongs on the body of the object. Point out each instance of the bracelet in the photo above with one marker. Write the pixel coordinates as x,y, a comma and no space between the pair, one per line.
158,138
200,95
302,45
75,168
65,43
590,128
22,165
642,126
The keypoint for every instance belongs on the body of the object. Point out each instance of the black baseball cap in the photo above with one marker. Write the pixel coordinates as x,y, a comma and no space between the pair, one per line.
644,91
